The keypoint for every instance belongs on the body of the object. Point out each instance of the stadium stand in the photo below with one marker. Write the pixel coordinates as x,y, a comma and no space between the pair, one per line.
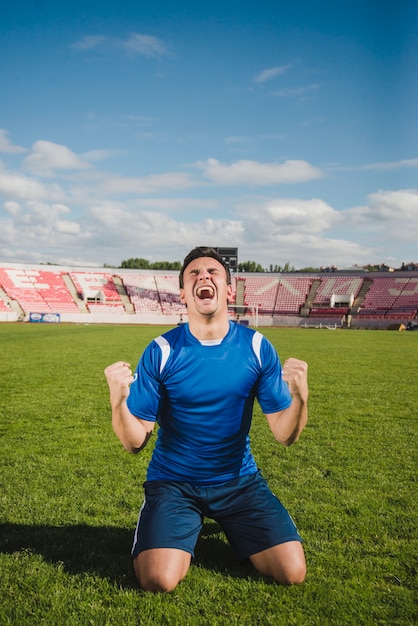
335,296
168,290
95,287
391,297
261,292
143,293
367,300
37,290
55,292
407,301
291,294
345,286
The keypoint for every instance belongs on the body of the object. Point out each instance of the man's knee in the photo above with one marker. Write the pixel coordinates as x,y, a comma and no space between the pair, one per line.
161,570
293,574
157,583
284,562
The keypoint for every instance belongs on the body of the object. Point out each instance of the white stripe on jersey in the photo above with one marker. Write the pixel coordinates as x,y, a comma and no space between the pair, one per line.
257,339
165,350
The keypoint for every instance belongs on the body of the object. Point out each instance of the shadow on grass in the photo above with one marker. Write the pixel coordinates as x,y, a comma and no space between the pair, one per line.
105,551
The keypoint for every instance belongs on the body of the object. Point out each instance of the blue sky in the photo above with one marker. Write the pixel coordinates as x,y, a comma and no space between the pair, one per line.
141,129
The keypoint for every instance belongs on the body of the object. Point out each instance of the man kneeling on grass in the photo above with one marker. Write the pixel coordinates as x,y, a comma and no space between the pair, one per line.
199,382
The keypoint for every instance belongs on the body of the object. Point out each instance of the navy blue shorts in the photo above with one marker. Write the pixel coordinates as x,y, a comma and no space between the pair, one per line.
250,515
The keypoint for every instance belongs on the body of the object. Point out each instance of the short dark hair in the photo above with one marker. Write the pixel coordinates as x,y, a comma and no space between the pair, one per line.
199,252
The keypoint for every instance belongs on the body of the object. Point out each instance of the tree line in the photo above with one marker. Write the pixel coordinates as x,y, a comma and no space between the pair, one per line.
251,267
246,266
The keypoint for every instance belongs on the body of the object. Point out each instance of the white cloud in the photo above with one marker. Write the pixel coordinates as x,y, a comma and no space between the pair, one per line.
302,232
158,217
271,231
394,165
176,204
40,226
145,45
303,250
141,120
254,173
89,42
385,227
115,184
389,221
285,216
6,146
98,155
8,238
47,213
399,206
139,233
13,207
66,227
275,231
47,156
270,73
19,186
377,167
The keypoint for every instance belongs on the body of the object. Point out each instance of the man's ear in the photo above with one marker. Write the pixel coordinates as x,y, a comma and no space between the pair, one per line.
182,297
229,293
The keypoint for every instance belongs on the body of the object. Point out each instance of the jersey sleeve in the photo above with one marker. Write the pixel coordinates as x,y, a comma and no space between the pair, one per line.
146,392
272,392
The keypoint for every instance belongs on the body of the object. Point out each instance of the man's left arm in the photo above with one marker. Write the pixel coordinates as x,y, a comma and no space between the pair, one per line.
288,424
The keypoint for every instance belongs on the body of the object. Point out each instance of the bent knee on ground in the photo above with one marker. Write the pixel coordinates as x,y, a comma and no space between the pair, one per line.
158,583
294,575
285,563
161,570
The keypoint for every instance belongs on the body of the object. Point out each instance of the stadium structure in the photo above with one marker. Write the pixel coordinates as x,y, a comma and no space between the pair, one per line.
346,299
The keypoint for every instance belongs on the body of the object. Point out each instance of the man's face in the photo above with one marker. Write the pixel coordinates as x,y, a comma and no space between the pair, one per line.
205,288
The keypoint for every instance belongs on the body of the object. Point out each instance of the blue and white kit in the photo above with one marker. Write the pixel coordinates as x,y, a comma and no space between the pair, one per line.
202,396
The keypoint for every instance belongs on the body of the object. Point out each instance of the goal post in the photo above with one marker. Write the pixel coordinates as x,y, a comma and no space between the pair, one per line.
238,311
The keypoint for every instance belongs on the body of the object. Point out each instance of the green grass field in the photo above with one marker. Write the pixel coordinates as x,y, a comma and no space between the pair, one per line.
70,494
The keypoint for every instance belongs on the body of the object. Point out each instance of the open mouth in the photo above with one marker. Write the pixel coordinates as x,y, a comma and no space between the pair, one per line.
204,292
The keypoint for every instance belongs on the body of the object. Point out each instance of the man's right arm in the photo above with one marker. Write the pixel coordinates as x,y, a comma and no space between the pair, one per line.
131,431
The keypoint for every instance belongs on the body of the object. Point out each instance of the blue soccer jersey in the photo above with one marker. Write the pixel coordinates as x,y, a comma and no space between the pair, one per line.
202,396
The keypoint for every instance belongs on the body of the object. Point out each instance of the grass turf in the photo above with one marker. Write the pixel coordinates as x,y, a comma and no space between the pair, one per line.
70,494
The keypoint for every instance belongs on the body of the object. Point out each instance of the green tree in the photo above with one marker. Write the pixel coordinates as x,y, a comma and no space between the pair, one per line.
144,264
286,268
250,266
166,265
135,264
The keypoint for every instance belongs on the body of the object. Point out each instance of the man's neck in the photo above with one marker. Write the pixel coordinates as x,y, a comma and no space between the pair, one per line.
209,329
